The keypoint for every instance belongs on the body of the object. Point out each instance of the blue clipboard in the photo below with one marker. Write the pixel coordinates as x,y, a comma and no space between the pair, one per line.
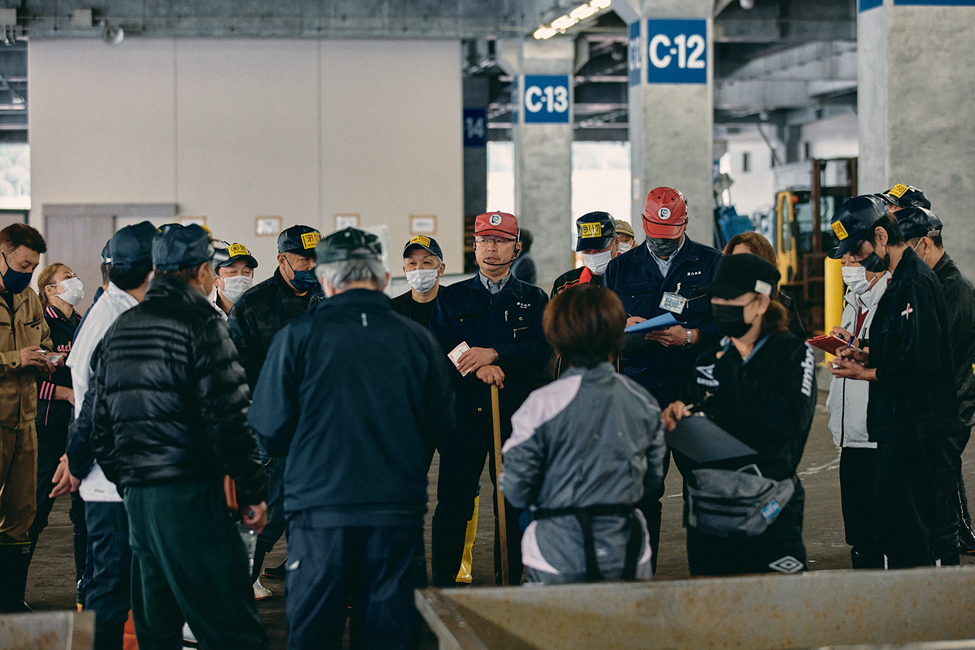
661,322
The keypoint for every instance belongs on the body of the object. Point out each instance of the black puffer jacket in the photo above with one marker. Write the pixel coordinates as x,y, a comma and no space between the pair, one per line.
960,300
170,399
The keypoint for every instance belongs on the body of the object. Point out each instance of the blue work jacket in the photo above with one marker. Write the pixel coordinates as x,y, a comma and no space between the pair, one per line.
511,323
636,279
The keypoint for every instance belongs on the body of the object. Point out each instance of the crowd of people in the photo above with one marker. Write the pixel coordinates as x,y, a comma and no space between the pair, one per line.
195,417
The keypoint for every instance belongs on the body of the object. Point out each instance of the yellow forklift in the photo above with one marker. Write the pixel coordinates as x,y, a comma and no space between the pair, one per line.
801,235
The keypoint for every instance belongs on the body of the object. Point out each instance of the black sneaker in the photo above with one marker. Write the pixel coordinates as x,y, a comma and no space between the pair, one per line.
274,571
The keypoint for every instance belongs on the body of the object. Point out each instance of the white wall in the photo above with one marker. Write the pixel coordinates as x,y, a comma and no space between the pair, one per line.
237,129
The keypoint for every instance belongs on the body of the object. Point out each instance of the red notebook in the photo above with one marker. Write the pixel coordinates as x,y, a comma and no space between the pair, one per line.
827,343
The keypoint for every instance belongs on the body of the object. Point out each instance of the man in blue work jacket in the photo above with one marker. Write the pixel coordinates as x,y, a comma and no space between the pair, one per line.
356,393
499,318
659,277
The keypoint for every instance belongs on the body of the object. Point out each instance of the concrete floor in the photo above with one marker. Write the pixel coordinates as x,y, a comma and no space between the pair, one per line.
51,582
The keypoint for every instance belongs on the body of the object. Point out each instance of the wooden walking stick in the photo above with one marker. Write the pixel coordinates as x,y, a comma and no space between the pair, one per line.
502,524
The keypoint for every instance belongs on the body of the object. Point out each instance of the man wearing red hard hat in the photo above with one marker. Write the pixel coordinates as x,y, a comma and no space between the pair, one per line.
658,277
499,318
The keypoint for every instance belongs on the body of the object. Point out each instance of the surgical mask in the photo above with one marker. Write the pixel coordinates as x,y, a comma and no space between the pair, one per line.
234,287
730,320
625,247
422,280
303,280
855,277
73,292
15,281
874,263
915,249
597,262
663,248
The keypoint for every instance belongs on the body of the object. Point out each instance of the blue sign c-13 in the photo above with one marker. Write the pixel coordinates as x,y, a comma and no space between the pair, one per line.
546,99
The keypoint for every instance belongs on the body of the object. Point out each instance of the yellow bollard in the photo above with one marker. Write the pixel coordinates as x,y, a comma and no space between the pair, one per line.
834,290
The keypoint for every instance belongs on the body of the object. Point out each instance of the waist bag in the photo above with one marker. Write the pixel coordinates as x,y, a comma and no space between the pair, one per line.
739,503
584,517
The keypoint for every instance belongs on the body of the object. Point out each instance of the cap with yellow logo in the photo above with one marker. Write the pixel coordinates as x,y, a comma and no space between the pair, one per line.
300,240
906,196
595,231
236,252
853,220
429,244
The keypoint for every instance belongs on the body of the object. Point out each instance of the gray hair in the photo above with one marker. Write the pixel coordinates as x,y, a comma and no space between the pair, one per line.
341,274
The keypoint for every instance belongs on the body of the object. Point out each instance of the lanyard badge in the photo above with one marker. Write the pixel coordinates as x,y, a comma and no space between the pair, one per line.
673,301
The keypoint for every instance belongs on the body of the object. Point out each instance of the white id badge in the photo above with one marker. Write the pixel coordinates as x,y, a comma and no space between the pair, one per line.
673,302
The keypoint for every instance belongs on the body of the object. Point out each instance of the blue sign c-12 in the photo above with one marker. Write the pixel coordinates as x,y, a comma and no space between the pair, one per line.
677,52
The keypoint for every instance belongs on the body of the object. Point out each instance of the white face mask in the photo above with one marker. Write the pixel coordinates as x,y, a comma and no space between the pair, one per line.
234,287
422,280
855,277
597,263
625,247
74,291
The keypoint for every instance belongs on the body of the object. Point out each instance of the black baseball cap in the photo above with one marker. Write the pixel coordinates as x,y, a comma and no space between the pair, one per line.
918,222
349,244
181,247
132,245
906,196
595,230
429,244
300,240
853,220
107,252
740,274
236,252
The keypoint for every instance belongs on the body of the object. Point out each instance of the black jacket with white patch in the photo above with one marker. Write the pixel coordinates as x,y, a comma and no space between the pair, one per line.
766,401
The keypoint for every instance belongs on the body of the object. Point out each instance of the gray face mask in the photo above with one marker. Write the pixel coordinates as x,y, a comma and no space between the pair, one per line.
663,248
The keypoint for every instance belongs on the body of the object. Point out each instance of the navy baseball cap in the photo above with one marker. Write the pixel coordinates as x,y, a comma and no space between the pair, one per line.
349,244
918,222
300,240
236,252
181,247
906,196
107,252
740,274
429,244
595,230
132,245
853,220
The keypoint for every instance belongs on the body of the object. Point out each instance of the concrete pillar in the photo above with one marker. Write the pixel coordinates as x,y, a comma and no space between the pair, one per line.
916,91
543,138
475,146
671,101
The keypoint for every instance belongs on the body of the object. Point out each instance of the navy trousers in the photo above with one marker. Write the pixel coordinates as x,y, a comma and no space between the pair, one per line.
368,568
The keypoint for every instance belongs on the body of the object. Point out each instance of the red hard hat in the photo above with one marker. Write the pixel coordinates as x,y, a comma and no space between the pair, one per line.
501,224
664,214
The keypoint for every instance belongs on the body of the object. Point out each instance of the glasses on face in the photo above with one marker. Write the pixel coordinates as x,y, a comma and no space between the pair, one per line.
413,264
497,241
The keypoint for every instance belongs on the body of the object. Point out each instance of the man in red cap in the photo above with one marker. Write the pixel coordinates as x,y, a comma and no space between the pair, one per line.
491,327
658,277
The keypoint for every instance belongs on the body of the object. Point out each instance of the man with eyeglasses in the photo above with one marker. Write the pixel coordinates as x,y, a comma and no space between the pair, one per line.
423,265
254,320
500,319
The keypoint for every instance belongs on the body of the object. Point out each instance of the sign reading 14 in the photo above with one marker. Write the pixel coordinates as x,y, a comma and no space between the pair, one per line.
677,51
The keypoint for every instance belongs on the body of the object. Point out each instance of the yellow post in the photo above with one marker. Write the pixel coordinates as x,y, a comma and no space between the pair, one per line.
833,309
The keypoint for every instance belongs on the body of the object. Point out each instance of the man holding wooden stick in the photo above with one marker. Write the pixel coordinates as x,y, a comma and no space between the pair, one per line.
491,328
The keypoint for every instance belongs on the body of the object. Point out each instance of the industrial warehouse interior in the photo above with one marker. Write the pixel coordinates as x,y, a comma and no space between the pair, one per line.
832,139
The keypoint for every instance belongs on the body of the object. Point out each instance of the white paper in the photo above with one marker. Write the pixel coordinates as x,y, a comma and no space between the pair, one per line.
454,354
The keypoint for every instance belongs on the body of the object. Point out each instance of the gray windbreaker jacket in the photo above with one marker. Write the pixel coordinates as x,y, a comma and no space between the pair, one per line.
591,438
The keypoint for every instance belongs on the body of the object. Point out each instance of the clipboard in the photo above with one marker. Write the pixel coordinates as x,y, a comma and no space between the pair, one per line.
661,322
703,441
828,343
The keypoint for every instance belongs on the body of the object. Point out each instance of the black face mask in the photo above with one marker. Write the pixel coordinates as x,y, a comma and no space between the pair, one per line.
663,248
730,320
874,263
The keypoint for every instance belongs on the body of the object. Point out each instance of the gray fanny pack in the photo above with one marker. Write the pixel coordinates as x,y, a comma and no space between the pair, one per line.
739,503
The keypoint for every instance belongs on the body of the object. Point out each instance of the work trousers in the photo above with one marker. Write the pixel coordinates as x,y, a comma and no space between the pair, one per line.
858,479
945,453
274,466
51,443
778,549
461,463
111,562
18,482
190,564
907,507
369,569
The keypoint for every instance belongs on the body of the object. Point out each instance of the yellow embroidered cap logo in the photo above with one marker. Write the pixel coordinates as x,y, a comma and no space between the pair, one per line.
840,231
236,250
422,240
310,239
898,190
591,230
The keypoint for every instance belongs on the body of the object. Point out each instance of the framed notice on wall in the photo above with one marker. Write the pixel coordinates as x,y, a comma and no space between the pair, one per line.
267,226
423,224
343,221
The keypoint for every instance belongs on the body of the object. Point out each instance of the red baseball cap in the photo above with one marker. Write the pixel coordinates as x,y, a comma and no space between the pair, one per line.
500,224
664,214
